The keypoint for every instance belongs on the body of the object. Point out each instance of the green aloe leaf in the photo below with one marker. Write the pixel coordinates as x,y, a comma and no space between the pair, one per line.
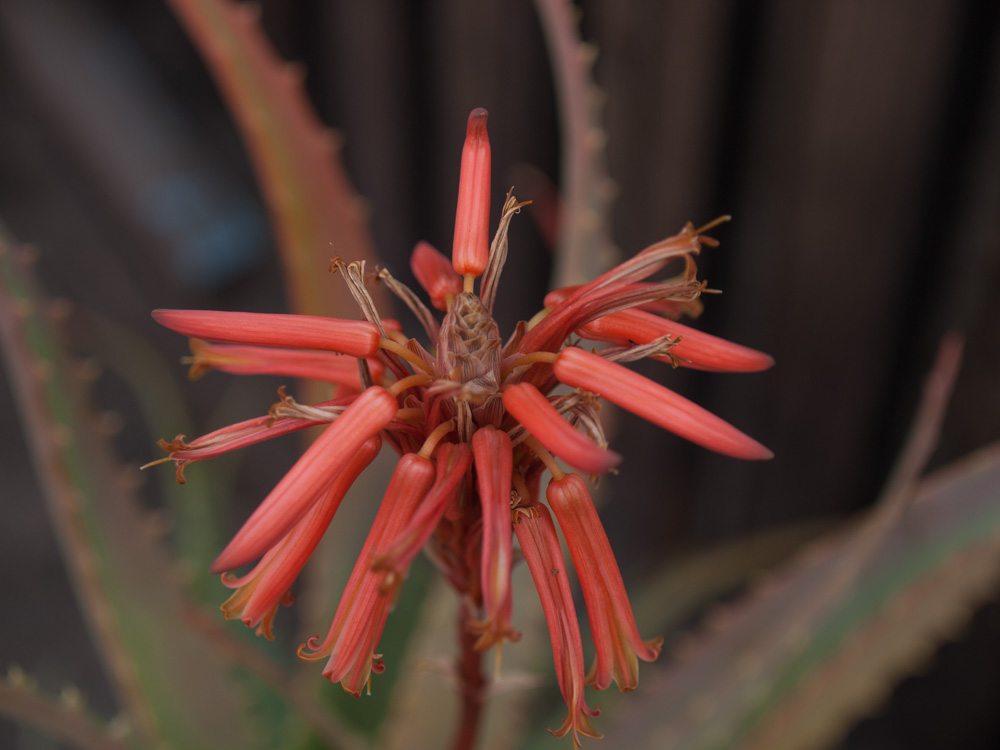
815,646
170,682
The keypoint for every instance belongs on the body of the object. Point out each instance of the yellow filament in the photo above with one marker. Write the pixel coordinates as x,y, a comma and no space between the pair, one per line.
520,487
539,316
411,382
402,351
528,359
712,224
435,437
414,414
398,336
545,456
157,462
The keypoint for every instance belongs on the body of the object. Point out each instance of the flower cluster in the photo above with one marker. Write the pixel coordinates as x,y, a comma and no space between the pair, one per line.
477,421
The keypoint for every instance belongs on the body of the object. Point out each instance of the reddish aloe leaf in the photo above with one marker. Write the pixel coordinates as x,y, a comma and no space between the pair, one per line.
63,719
584,235
313,206
759,666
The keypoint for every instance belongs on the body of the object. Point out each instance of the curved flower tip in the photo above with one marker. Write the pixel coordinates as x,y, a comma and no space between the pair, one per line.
361,615
654,403
302,485
540,545
617,642
357,338
259,592
529,407
471,250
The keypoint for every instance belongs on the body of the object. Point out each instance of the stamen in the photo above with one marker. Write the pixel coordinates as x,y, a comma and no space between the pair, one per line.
521,488
435,437
545,457
413,415
528,359
538,317
402,351
411,382
156,462
713,223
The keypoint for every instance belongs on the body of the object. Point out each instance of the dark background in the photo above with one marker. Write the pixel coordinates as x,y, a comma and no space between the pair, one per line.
856,143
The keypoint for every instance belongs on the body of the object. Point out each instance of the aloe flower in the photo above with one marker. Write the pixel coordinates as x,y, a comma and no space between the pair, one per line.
477,421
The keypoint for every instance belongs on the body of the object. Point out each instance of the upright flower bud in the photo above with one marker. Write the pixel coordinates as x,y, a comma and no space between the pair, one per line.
435,274
471,250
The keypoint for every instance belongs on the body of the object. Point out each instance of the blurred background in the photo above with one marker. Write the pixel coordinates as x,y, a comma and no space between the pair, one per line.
856,144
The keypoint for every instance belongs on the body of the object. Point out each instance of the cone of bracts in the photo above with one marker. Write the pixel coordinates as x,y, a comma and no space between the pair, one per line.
477,420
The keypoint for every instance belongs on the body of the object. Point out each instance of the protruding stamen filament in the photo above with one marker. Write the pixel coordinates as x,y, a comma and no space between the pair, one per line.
402,351
435,437
528,359
414,381
544,456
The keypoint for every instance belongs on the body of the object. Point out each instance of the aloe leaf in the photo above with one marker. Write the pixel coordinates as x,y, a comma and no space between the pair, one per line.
792,664
194,508
584,247
314,209
64,717
171,684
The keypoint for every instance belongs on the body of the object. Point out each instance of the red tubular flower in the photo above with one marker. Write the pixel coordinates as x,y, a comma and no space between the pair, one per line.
350,644
529,407
540,545
612,624
670,308
453,463
300,487
475,423
357,338
471,250
260,591
494,462
695,349
262,360
654,403
435,274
